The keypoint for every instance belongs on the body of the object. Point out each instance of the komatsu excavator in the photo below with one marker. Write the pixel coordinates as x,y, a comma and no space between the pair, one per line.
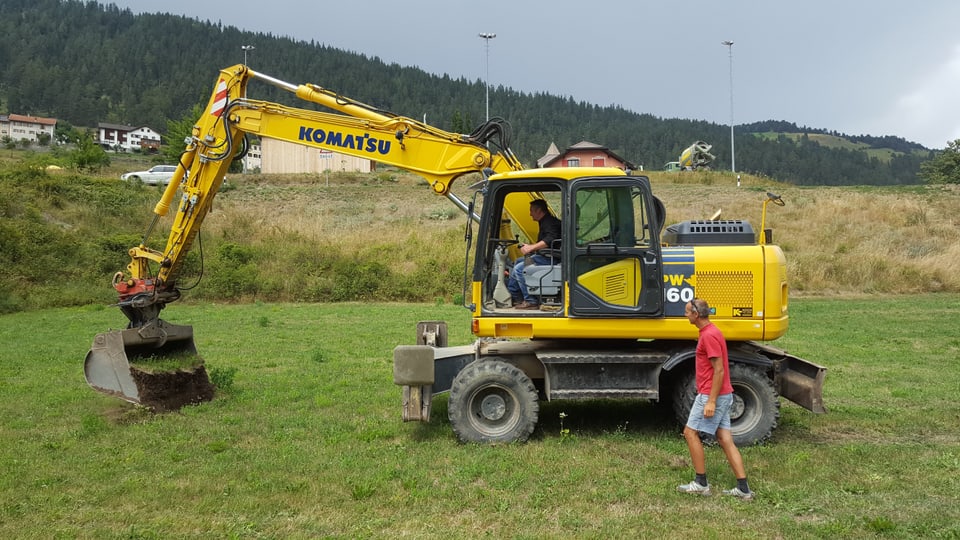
611,322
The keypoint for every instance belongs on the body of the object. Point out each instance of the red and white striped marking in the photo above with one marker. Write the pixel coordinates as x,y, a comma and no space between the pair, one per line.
220,100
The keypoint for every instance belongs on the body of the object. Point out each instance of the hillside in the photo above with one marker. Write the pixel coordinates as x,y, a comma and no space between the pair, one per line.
296,238
90,63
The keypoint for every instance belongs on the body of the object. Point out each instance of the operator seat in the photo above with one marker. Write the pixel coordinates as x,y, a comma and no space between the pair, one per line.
545,280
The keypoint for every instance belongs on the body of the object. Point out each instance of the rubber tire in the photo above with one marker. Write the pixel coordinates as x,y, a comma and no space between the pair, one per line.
756,406
492,401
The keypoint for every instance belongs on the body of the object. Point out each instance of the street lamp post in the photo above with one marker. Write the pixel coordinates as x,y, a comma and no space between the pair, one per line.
245,49
243,162
733,159
487,36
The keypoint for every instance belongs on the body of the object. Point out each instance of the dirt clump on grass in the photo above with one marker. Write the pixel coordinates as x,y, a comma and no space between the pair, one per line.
165,391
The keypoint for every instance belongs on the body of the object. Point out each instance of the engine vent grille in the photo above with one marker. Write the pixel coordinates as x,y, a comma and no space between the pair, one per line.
694,232
729,289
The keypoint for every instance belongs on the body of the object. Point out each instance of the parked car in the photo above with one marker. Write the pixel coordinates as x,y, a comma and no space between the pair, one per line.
158,174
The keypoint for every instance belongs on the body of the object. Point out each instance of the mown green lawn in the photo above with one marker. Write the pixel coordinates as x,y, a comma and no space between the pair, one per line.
307,440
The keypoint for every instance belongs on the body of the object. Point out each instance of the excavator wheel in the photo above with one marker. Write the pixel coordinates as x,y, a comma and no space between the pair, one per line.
756,407
492,401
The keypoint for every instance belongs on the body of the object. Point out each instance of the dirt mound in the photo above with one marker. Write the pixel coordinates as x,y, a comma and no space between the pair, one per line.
170,390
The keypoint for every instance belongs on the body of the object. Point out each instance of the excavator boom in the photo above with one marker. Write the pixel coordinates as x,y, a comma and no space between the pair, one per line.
219,136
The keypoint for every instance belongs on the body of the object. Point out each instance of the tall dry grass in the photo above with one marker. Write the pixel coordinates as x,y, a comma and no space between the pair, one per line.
894,240
838,240
353,236
387,237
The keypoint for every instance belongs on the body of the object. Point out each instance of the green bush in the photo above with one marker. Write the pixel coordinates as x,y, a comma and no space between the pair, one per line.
222,378
10,301
232,252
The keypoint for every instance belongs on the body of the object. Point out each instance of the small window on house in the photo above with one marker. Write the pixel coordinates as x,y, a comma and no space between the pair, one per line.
573,162
599,162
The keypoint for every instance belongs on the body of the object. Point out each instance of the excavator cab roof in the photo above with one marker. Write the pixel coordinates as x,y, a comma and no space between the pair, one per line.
564,173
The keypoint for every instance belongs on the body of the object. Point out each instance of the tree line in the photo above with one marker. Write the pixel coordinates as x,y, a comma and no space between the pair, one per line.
86,63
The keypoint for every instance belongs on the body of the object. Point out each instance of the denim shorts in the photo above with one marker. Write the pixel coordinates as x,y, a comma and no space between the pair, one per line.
719,420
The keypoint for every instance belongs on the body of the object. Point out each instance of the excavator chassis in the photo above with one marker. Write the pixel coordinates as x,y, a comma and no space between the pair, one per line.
498,398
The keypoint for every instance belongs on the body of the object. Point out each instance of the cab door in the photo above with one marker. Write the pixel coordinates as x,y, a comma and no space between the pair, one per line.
615,261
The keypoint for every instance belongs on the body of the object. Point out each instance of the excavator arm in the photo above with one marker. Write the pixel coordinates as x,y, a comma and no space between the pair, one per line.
218,137
356,129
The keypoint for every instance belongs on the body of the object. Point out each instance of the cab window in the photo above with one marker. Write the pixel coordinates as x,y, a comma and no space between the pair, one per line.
612,215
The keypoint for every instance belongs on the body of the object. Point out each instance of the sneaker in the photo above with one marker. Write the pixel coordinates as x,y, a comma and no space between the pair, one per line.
526,305
735,492
694,488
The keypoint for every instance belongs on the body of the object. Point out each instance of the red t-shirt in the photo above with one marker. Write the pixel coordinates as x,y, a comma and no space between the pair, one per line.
712,345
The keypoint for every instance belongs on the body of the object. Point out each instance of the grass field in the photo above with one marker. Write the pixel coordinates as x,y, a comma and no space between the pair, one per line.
832,141
306,440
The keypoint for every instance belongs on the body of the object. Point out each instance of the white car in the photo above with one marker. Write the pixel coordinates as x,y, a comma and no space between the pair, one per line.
158,174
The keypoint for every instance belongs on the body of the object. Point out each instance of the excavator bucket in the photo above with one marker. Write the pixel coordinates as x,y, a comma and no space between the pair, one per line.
107,366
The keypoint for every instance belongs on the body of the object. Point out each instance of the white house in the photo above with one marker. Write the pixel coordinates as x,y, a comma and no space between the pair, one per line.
251,161
20,127
128,138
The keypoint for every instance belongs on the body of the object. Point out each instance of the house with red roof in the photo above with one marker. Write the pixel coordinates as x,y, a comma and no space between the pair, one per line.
31,128
583,154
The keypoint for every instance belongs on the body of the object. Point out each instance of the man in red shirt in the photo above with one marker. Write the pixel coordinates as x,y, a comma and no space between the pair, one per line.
710,412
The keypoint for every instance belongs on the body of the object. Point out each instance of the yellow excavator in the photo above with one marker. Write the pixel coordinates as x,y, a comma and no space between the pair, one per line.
610,322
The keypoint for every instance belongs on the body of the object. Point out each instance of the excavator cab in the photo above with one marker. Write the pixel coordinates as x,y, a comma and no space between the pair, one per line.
608,260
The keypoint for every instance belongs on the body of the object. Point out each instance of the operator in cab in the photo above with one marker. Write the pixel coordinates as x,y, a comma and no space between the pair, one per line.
537,253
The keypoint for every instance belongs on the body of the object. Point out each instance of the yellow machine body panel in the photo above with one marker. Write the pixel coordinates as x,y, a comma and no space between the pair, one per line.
743,284
615,283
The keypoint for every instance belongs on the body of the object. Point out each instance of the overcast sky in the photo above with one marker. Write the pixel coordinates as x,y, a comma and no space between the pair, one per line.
877,67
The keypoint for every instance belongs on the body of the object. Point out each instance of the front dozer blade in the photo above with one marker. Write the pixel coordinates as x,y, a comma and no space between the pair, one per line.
801,382
107,366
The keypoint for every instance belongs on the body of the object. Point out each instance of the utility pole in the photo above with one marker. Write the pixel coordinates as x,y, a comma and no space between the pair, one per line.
487,36
246,48
733,159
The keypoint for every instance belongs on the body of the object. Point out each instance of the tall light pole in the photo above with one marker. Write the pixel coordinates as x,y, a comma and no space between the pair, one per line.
487,36
733,159
245,49
243,162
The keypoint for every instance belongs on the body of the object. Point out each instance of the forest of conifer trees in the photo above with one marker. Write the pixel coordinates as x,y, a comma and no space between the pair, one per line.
87,63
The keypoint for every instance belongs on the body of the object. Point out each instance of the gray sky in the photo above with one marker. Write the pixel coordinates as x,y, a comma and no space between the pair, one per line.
877,67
